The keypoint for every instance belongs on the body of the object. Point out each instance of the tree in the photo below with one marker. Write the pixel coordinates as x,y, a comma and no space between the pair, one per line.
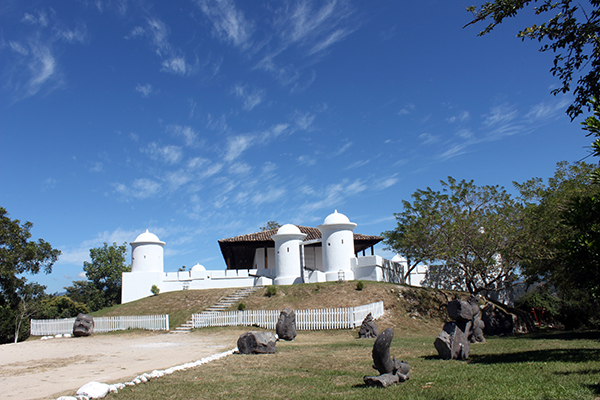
104,272
60,307
467,234
417,232
19,255
571,32
270,225
562,235
30,296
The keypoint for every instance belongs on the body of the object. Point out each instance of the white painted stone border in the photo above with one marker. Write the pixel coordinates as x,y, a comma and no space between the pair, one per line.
97,390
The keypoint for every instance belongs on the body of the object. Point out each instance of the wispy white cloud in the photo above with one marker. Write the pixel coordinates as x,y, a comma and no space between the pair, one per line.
98,166
314,27
239,168
332,196
189,135
250,97
271,195
177,179
306,160
357,164
428,138
343,148
77,254
236,145
386,182
142,188
548,110
145,90
500,115
169,154
173,59
41,19
461,117
408,109
228,22
196,163
77,35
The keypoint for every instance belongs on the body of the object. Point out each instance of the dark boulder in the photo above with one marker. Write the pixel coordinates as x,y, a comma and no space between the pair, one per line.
460,310
286,325
453,342
391,370
83,325
368,329
255,342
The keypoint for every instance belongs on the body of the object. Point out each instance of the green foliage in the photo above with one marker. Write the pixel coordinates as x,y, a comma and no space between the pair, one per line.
155,290
360,285
270,225
562,238
271,291
103,287
469,234
241,306
571,32
19,255
60,307
540,299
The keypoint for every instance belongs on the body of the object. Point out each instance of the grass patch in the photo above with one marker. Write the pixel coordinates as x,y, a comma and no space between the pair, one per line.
179,305
331,364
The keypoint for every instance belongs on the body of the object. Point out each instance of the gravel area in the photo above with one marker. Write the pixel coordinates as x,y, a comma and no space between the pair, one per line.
47,369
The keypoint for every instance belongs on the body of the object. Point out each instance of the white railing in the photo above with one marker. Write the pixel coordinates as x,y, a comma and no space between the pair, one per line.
330,318
41,327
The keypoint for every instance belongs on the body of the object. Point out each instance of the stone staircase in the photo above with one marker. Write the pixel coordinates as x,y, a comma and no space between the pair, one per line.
222,305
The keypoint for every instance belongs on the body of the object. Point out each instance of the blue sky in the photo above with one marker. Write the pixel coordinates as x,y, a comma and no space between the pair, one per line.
202,119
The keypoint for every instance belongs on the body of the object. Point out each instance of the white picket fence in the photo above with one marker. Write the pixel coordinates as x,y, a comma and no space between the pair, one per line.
42,327
329,318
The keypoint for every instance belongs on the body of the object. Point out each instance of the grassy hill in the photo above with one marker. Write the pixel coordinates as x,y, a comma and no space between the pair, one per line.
409,309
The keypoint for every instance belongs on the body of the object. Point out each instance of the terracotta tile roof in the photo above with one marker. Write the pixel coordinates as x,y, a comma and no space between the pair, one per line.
311,234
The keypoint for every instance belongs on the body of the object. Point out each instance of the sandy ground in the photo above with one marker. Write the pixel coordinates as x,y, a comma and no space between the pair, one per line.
46,369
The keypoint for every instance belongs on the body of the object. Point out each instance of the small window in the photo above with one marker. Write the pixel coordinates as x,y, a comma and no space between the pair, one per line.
342,241
288,249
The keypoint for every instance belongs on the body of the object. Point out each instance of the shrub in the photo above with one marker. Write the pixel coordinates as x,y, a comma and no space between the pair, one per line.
155,290
271,291
241,307
360,285
540,299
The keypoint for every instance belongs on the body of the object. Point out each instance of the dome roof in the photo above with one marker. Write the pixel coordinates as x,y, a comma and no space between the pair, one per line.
147,237
336,218
288,229
198,267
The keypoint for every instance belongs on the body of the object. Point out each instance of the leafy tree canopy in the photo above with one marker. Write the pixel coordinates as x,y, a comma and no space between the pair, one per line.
20,255
570,31
562,237
103,287
466,233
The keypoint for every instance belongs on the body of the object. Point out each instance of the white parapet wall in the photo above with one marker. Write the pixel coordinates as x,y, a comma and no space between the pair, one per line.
137,285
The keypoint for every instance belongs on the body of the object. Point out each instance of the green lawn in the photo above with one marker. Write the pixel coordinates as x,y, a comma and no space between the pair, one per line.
331,364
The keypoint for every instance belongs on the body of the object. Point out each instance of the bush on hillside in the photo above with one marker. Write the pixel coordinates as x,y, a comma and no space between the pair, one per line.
271,291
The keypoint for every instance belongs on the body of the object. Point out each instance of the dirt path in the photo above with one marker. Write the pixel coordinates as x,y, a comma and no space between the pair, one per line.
46,369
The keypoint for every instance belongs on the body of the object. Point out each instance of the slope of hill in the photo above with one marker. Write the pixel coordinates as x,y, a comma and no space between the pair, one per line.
408,309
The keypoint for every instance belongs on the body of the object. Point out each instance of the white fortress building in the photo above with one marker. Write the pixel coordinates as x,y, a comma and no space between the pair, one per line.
285,256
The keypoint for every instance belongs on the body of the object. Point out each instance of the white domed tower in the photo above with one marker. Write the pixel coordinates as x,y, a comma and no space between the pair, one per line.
337,239
288,269
147,253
